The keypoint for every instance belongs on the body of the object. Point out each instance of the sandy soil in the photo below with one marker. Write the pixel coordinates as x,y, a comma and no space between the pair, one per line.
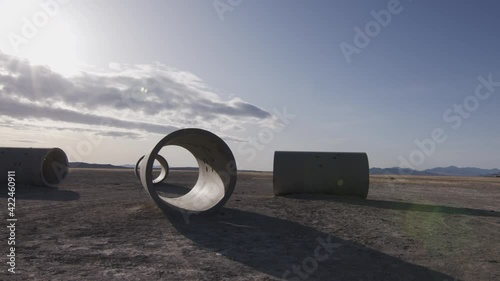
100,225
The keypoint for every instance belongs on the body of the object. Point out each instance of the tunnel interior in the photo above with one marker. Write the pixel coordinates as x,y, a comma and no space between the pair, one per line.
54,167
216,171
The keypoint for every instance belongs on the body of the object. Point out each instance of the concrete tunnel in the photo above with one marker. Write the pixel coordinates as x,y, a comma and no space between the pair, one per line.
163,165
339,173
216,172
34,166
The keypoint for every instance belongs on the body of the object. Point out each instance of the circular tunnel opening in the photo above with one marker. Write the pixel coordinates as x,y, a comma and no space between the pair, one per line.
183,173
216,171
54,167
160,169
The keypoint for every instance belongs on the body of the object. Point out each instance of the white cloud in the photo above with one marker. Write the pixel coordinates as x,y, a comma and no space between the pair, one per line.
127,100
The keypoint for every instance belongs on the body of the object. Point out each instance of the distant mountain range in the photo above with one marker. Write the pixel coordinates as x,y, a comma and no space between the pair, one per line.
440,171
109,166
94,166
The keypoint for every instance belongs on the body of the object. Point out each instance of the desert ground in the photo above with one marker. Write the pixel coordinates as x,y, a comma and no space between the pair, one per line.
101,225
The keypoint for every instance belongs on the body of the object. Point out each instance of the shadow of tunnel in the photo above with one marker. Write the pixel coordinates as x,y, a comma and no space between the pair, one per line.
291,251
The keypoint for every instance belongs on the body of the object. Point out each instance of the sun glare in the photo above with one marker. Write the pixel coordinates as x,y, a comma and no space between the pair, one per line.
56,48
41,37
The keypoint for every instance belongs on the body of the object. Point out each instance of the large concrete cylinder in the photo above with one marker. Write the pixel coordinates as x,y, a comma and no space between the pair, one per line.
337,173
216,176
34,166
164,168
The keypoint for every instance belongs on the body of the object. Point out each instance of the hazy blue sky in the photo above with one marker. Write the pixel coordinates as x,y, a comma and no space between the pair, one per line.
233,66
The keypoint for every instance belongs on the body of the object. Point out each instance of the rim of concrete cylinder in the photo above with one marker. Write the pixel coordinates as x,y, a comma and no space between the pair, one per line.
216,172
54,167
164,168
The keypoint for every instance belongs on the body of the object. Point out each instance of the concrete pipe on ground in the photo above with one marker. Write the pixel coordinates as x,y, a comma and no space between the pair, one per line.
164,168
337,173
216,173
34,166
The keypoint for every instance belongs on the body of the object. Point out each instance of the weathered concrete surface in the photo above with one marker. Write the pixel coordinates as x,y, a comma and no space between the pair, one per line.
217,172
337,173
34,166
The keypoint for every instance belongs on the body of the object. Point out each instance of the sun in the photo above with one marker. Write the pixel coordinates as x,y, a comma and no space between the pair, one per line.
56,48
52,44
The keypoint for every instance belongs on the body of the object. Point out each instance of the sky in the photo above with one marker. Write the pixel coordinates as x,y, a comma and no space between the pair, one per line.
411,83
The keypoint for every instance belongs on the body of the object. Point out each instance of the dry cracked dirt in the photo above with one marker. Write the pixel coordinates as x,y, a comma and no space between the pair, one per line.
101,225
